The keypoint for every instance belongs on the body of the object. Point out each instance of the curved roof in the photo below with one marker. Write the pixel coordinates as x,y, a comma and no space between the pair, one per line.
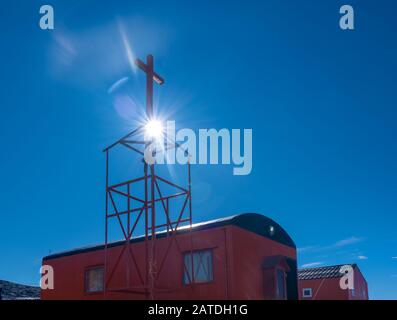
253,222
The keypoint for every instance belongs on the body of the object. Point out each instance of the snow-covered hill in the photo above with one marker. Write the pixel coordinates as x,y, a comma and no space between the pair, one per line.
15,291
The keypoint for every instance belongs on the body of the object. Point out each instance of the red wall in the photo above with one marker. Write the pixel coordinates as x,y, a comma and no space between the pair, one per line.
237,258
329,289
360,285
248,255
323,289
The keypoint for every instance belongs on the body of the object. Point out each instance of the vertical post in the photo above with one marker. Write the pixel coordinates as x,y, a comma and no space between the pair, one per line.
149,86
146,228
190,222
149,114
190,192
127,270
167,206
106,224
153,233
129,209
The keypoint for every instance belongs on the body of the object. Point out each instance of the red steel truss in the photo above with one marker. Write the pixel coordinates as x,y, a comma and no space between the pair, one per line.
141,208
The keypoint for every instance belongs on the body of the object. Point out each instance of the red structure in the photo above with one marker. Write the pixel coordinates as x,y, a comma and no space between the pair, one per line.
247,256
149,202
323,284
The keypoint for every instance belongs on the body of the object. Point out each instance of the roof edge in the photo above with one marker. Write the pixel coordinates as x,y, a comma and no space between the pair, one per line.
252,222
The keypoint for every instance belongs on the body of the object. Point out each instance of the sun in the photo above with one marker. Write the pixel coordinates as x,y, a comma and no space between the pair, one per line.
154,129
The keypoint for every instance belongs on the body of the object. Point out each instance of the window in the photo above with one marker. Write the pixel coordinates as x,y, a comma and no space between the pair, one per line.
280,289
198,267
94,279
307,292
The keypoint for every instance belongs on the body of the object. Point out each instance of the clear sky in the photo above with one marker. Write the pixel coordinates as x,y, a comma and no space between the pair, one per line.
321,103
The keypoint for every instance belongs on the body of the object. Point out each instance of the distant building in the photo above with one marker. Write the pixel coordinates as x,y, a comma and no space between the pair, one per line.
247,256
324,284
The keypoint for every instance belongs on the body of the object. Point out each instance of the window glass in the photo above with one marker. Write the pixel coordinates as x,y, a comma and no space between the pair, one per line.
307,292
280,284
94,280
198,267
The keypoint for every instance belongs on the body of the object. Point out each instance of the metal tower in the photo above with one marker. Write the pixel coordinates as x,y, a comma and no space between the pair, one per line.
144,205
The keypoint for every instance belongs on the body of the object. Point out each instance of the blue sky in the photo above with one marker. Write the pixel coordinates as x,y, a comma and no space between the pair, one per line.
321,103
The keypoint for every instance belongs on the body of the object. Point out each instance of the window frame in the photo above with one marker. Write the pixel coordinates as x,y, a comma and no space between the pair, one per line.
184,267
284,284
86,271
305,295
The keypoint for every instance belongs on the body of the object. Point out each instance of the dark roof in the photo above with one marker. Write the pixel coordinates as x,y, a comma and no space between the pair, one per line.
252,222
322,272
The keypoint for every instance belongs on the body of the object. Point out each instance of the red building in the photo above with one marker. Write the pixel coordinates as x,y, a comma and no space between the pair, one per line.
324,284
247,256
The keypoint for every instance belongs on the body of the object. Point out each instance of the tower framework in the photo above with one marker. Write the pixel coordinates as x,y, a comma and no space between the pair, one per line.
150,205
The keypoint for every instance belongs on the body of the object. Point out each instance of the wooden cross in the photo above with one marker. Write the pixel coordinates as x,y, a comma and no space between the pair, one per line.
148,68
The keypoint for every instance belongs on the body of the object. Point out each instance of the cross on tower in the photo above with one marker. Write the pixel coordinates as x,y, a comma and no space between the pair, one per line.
148,68
145,207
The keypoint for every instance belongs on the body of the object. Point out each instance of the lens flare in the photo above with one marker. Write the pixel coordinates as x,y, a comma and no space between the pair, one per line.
154,129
